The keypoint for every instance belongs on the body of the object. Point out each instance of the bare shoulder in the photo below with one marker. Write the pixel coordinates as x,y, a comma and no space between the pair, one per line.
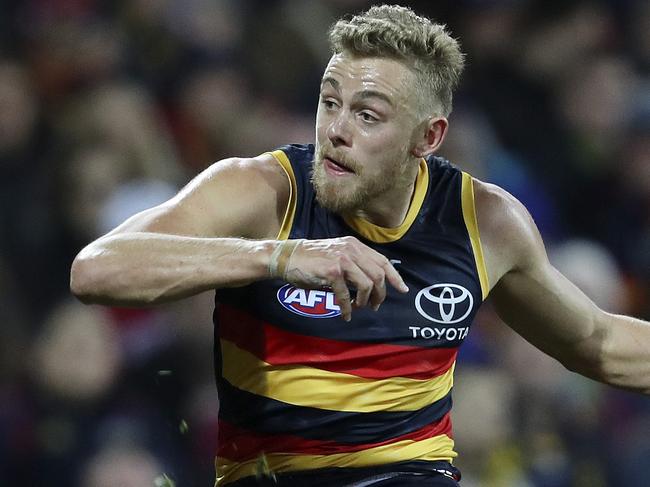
249,195
244,171
248,181
509,236
234,197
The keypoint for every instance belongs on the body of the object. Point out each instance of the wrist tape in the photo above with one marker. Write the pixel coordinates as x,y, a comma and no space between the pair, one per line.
279,261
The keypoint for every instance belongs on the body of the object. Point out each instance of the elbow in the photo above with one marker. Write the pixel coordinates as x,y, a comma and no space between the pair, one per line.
587,366
85,279
93,276
598,370
96,279
590,358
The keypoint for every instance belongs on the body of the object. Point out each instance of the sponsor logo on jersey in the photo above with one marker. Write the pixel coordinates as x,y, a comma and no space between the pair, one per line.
444,303
449,334
312,303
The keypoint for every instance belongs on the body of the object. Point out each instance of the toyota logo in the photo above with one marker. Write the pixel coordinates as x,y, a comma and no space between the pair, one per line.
444,303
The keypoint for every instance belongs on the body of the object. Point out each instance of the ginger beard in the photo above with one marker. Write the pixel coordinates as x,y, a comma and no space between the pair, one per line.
354,191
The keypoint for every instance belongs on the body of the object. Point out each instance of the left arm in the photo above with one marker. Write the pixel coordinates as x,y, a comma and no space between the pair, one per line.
544,307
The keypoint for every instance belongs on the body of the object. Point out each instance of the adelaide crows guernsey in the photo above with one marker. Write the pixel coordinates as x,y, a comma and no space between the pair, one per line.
302,389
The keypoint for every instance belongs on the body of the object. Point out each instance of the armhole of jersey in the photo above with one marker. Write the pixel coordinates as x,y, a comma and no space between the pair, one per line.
287,221
469,215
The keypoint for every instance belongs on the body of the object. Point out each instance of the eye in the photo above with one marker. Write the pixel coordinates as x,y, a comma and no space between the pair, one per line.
328,103
368,117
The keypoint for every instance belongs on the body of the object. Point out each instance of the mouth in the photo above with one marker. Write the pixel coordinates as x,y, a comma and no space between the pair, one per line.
335,167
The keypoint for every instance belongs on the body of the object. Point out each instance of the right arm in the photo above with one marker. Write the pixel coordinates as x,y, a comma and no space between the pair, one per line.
220,231
215,233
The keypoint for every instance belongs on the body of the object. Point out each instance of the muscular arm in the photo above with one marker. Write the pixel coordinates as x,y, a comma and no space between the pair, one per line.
219,232
201,239
543,306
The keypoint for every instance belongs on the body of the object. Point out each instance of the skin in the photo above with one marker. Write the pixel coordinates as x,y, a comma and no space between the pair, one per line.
208,237
365,122
543,306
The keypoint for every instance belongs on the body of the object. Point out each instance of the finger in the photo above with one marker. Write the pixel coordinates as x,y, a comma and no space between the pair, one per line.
377,285
357,279
364,291
378,292
378,268
342,294
394,278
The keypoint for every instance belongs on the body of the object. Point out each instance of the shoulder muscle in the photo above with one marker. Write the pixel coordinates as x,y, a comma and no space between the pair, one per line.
509,235
237,197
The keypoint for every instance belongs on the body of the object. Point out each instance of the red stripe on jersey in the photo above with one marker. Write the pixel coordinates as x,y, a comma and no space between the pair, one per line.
373,361
238,444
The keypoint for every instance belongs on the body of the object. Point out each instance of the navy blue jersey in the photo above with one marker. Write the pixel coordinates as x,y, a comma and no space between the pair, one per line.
301,389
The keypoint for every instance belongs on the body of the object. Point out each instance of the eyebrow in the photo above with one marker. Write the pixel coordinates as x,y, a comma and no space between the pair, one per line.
365,94
335,84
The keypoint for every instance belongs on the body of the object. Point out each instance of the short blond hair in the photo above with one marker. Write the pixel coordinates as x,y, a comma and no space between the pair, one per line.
396,32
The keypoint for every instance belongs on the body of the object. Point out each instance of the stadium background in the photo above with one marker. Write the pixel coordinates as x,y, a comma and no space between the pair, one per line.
109,107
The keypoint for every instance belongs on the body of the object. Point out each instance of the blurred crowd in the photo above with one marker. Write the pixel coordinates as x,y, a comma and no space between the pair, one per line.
109,107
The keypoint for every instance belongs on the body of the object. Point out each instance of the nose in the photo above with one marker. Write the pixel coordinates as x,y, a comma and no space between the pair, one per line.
339,130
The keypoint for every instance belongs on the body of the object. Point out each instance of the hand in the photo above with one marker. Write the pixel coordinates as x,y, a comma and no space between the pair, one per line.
343,263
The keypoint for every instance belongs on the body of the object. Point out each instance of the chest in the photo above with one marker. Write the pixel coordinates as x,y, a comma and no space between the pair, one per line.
444,295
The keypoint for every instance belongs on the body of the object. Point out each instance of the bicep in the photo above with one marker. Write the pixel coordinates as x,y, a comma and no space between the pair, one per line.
232,198
550,312
530,295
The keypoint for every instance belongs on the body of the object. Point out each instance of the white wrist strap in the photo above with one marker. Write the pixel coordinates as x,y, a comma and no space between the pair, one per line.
279,260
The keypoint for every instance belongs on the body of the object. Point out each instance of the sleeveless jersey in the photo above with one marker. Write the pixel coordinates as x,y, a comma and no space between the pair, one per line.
302,389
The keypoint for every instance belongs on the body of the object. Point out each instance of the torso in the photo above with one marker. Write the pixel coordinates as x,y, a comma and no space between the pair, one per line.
303,389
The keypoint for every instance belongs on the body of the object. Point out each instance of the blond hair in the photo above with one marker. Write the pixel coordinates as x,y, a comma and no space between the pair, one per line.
396,32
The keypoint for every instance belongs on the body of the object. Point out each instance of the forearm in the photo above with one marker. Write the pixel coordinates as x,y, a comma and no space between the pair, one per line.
626,352
564,323
149,268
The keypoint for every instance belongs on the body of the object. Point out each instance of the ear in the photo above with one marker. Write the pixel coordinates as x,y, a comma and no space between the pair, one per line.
429,136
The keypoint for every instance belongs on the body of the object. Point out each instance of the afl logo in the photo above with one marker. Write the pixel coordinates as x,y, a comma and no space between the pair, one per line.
312,303
444,303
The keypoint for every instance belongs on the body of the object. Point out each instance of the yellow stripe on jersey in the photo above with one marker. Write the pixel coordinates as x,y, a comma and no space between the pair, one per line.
287,221
379,234
469,215
311,387
437,448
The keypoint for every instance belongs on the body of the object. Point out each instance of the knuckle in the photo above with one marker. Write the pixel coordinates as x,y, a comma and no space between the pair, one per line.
377,277
366,285
333,272
350,242
344,258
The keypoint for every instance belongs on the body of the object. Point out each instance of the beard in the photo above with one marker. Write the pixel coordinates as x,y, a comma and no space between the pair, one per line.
353,192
